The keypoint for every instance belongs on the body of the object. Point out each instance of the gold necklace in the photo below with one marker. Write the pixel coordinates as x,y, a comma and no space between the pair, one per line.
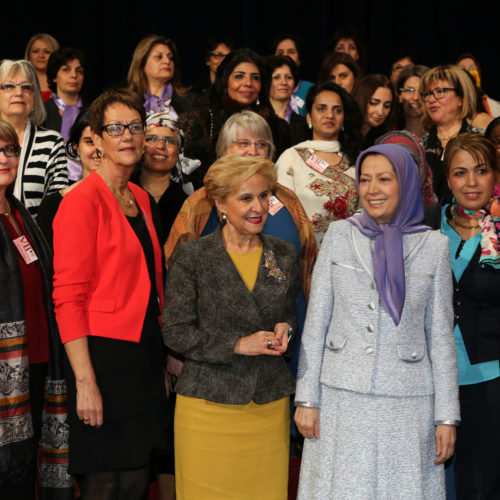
7,209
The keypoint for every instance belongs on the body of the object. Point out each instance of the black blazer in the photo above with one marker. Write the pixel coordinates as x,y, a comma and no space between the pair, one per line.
208,308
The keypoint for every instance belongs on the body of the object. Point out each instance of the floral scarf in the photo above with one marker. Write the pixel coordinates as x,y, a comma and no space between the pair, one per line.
489,222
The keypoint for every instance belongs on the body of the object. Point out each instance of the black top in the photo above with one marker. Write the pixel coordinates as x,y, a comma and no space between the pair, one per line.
46,213
169,206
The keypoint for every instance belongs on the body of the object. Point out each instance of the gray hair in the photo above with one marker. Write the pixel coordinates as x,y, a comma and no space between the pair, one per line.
242,122
9,68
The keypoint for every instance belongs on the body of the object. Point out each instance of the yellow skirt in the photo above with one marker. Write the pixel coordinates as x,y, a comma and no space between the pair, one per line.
226,451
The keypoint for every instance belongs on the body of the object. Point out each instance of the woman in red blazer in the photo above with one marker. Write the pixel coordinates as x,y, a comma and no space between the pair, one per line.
108,293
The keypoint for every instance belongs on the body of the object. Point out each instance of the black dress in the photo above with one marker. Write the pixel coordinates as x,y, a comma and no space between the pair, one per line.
130,377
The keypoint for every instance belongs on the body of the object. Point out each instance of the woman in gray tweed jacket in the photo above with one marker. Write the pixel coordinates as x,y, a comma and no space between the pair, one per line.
377,391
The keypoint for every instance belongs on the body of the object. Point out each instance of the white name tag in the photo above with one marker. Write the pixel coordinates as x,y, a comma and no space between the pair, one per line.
315,162
25,249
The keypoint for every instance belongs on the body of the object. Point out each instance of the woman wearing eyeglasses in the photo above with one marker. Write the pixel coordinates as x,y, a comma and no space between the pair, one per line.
163,168
108,293
410,103
42,164
449,101
29,349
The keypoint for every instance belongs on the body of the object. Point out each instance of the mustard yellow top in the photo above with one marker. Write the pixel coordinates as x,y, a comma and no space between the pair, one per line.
247,265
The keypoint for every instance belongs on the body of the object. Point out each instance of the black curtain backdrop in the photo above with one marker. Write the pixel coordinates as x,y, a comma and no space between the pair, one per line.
108,31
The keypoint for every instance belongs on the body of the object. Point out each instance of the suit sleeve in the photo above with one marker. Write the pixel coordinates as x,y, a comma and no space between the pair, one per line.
181,330
318,318
75,237
440,338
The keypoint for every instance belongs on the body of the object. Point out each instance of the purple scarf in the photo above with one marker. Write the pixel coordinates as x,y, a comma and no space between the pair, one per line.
388,263
155,104
69,114
291,108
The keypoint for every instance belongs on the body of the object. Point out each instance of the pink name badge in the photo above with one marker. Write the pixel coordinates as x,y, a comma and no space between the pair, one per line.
24,248
316,163
275,205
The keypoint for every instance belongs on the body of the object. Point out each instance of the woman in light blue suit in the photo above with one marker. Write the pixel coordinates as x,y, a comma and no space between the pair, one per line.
377,391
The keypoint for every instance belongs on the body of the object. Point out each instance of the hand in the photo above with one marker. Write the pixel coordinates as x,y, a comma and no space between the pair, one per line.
307,420
281,336
261,342
89,403
446,436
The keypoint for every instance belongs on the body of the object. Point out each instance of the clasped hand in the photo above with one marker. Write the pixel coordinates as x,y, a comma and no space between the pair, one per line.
273,343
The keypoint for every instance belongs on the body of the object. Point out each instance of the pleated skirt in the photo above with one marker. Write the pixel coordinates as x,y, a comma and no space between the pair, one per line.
227,451
372,447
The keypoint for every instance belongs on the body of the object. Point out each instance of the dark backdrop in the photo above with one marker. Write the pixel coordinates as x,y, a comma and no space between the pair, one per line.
109,30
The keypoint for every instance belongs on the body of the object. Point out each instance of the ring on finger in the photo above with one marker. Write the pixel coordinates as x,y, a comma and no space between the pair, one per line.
269,344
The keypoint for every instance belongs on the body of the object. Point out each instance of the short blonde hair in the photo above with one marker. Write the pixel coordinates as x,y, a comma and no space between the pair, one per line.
229,172
48,39
458,80
9,68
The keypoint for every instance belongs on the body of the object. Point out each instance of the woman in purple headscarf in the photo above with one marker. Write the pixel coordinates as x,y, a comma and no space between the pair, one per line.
377,391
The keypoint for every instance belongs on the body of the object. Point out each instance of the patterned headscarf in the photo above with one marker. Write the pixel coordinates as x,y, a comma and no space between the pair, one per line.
413,145
184,165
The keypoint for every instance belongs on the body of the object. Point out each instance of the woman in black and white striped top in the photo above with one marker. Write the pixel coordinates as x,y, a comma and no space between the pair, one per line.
42,165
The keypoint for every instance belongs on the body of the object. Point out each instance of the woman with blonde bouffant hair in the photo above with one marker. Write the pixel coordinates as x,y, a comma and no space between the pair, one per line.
230,310
449,102
37,52
155,73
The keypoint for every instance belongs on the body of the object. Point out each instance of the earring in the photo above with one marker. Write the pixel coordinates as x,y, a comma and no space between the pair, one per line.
224,218
342,128
99,153
310,125
257,102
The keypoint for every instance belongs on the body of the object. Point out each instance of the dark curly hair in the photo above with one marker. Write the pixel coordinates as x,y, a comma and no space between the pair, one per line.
350,134
81,123
58,59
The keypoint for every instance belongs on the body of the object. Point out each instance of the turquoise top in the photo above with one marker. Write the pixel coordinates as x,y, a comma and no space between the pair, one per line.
467,373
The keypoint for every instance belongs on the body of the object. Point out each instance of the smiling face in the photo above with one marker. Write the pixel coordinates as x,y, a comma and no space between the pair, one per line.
159,65
124,150
158,156
471,180
378,188
327,116
246,207
248,144
378,107
39,55
282,84
69,78
18,103
446,110
87,152
343,76
348,46
288,48
244,84
410,97
8,167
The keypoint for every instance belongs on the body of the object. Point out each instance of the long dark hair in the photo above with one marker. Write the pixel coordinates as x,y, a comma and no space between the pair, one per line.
350,133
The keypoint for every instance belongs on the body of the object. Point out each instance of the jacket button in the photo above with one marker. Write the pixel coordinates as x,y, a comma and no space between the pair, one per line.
413,355
459,303
369,350
457,289
371,305
457,316
370,328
